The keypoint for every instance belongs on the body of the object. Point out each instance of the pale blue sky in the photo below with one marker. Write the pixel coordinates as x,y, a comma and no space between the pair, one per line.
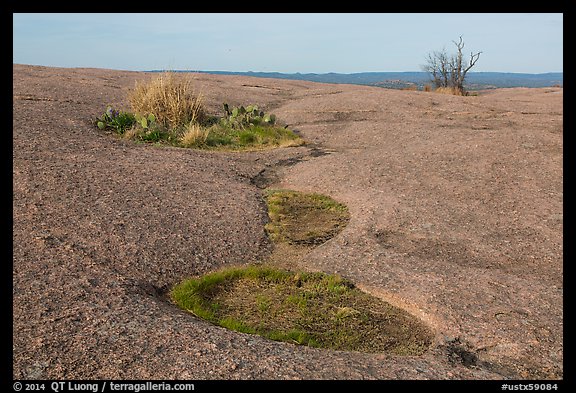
319,43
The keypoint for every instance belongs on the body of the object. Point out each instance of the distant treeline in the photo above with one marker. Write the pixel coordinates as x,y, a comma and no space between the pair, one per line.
400,80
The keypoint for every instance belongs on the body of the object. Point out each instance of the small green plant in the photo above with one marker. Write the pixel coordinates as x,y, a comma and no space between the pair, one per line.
263,302
118,121
151,135
149,130
147,122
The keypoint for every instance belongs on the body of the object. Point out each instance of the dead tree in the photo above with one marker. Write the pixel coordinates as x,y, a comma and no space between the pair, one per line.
450,71
459,69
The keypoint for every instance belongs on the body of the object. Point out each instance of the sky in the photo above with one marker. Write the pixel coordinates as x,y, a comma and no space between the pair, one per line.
289,43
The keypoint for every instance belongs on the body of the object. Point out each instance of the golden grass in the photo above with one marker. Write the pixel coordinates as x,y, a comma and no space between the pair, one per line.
410,88
170,97
194,135
449,90
131,133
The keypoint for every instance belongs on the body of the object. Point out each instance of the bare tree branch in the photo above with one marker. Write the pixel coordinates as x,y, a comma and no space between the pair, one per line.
473,59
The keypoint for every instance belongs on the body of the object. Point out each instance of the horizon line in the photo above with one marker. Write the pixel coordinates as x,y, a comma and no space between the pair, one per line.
348,73
283,72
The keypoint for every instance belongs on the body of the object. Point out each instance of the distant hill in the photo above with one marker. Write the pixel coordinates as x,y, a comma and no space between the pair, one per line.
400,80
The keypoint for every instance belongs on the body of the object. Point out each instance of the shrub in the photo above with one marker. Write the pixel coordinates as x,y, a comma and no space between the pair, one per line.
171,98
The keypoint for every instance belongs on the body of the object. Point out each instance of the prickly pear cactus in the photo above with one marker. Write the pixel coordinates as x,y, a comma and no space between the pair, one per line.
242,117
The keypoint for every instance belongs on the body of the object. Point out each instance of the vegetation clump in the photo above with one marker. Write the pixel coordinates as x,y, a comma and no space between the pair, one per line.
119,121
314,309
304,219
167,110
242,118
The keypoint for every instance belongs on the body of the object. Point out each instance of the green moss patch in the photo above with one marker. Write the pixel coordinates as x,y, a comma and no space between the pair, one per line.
314,309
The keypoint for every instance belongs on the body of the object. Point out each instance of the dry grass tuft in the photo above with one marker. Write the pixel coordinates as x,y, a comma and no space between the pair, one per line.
131,133
171,98
194,135
411,88
449,90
